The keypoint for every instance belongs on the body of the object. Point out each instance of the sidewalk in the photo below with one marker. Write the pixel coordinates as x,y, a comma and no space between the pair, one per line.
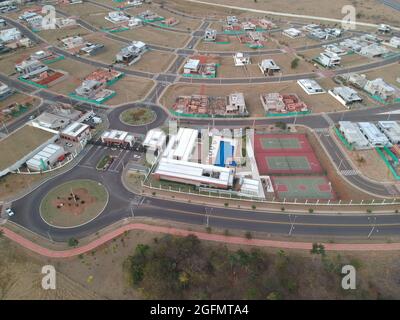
27,244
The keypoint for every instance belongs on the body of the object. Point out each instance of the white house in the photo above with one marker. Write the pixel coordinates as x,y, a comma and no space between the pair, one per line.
329,59
380,88
292,33
345,95
10,35
268,67
241,59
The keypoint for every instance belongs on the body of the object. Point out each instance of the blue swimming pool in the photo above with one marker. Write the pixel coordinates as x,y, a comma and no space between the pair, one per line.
225,151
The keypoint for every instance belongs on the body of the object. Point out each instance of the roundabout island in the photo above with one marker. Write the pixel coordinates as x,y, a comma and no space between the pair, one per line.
74,203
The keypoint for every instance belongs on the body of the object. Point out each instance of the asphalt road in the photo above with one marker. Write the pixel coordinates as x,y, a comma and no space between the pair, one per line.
123,204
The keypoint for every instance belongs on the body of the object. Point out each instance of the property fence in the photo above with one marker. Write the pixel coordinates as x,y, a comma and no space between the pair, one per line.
223,195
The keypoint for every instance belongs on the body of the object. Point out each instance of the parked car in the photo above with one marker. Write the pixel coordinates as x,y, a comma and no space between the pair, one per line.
9,212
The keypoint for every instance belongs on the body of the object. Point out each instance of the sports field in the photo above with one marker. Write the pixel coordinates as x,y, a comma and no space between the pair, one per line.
285,154
302,188
281,142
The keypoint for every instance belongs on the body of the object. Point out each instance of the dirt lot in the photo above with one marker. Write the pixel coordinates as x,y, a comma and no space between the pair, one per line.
16,98
318,103
77,72
229,70
54,36
186,24
154,61
89,13
130,89
293,43
233,45
367,10
156,36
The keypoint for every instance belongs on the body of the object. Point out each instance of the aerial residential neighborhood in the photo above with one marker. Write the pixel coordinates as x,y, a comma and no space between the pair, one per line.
201,150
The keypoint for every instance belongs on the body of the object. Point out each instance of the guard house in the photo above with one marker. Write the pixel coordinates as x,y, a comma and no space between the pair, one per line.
391,129
375,137
353,135
117,138
268,67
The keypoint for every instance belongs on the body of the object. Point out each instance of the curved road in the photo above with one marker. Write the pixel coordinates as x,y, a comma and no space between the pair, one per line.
123,203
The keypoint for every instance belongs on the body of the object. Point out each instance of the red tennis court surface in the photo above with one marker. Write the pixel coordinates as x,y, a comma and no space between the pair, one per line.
285,154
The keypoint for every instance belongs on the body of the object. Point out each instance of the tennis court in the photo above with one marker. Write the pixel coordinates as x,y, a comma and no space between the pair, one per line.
281,142
302,188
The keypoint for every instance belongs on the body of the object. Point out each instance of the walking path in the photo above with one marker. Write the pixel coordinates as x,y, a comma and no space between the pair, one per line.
27,244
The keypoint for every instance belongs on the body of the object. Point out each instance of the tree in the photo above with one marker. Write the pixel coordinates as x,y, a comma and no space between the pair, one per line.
281,125
72,242
318,248
295,63
248,235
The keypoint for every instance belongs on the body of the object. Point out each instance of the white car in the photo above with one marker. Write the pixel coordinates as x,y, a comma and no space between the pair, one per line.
9,212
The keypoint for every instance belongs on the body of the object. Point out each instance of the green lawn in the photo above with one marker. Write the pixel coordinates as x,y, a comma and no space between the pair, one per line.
138,116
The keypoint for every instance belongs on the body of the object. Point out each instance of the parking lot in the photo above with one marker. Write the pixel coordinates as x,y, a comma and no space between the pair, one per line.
120,156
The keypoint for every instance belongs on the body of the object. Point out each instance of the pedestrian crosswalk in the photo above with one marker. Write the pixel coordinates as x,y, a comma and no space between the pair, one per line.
349,172
321,130
328,119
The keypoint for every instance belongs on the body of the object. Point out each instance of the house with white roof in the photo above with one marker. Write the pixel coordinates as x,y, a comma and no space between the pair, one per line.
329,59
380,88
310,86
292,33
10,35
391,129
268,67
241,59
155,140
352,133
345,95
375,137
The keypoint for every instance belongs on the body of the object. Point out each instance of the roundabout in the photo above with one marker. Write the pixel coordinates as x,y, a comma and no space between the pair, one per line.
73,203
138,116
